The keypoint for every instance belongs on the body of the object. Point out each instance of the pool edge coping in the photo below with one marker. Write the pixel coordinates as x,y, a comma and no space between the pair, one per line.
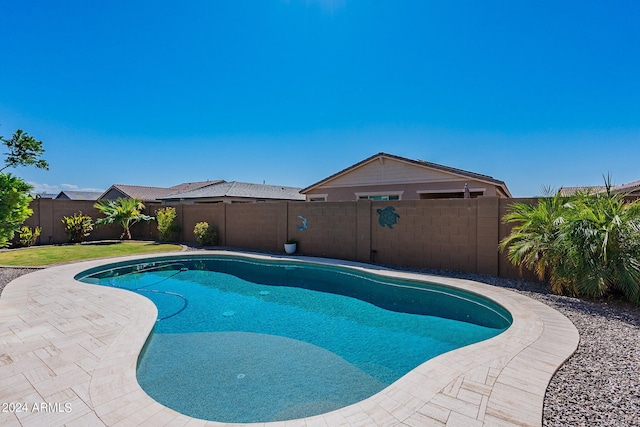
500,381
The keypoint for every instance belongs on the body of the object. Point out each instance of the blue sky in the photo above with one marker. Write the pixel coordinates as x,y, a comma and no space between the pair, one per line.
540,93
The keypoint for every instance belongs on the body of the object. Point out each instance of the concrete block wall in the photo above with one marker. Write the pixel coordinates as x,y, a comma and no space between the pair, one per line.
254,225
453,234
429,233
331,231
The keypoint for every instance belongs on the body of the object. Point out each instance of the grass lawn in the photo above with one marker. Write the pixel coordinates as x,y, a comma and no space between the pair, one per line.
46,255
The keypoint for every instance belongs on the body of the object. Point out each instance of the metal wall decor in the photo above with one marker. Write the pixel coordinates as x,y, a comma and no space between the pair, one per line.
387,216
304,224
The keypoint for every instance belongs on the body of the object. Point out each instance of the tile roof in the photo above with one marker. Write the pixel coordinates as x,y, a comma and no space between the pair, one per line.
153,194
241,190
622,188
146,194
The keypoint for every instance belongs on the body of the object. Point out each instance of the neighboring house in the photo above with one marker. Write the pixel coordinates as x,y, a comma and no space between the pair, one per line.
43,196
389,177
235,192
630,190
79,195
150,194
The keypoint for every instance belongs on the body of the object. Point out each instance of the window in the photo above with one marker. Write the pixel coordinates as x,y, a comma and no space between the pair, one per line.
317,197
451,195
380,197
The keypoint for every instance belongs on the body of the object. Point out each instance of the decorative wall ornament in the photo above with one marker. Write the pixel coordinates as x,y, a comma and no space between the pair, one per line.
304,225
387,216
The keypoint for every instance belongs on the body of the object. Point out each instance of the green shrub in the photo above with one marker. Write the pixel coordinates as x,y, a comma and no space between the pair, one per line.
206,235
166,227
585,245
28,236
14,206
78,227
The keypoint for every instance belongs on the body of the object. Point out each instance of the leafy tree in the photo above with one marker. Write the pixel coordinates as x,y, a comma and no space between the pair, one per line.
123,211
14,206
24,150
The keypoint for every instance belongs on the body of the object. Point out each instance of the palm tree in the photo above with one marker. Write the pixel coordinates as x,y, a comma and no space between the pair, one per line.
123,211
536,242
586,244
606,233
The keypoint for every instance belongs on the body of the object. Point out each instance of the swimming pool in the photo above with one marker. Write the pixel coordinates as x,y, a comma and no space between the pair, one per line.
242,340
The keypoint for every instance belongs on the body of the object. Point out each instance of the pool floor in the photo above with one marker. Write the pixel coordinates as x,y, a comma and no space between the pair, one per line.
68,355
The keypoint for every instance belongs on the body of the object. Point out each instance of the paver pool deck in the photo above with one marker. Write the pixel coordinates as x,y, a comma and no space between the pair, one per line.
68,354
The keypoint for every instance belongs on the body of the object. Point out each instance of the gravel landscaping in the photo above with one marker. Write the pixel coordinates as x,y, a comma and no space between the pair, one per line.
600,384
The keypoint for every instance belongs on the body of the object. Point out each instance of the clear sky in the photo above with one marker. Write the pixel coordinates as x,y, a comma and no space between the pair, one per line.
534,93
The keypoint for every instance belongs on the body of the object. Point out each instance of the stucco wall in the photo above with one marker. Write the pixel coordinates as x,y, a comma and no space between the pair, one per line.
410,191
452,234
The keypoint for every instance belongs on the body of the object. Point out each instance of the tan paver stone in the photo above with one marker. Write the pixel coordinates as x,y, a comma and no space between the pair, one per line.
453,387
8,419
160,418
295,423
470,396
436,412
66,377
459,420
504,398
78,344
421,420
14,388
334,418
178,421
193,422
478,375
317,422
456,405
89,419
476,387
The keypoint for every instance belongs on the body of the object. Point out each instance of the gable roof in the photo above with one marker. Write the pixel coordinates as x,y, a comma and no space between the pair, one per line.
241,190
153,194
422,163
79,195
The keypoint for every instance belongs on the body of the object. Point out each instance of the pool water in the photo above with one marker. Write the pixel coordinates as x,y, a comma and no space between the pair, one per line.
240,340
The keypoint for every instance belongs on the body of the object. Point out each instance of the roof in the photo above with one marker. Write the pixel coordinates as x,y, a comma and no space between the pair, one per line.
188,186
152,194
448,169
622,188
79,195
241,190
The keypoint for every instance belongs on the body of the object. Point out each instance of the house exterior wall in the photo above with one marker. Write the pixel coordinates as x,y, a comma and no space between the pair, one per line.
451,234
388,171
410,191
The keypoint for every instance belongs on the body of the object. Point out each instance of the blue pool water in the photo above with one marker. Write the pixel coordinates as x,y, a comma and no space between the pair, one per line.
240,340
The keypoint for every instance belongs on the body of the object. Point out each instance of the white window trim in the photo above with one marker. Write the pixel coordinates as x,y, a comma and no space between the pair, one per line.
379,193
317,196
454,190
